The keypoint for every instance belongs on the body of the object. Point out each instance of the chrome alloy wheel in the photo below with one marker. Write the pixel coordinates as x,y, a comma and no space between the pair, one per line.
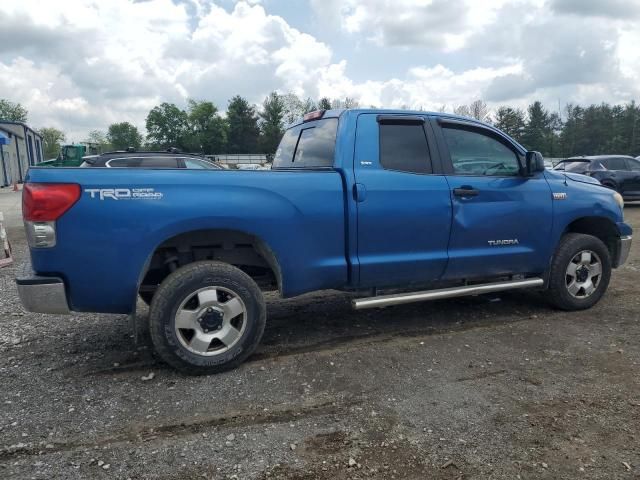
583,274
210,321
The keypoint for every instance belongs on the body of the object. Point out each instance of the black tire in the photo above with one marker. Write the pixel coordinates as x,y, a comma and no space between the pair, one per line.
569,247
184,282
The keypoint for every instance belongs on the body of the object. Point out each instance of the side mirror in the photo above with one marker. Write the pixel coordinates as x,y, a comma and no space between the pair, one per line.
534,163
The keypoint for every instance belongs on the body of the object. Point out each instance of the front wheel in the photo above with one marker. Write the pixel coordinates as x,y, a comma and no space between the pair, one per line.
207,317
580,272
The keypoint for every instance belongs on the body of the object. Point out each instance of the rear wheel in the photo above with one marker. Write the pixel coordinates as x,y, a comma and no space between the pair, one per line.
207,317
580,272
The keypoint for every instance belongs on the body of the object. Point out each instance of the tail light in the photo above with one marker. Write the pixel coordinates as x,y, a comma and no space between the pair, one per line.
46,202
42,205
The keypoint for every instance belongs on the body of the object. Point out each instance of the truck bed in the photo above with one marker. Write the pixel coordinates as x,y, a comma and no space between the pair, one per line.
107,238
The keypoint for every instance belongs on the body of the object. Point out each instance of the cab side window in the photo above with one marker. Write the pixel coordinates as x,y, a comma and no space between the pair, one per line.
475,153
403,147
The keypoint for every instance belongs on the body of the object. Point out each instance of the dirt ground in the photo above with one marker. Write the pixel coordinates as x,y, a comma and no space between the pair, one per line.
484,387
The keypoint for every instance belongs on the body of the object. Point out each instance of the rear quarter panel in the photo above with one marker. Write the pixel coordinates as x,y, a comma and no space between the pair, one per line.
103,245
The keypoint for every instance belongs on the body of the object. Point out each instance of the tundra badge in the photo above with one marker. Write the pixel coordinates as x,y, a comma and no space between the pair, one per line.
497,243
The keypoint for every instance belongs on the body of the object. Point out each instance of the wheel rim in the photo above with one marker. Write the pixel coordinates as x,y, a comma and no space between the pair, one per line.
583,274
210,321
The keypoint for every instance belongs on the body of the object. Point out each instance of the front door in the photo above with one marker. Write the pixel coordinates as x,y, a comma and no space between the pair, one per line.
403,203
501,219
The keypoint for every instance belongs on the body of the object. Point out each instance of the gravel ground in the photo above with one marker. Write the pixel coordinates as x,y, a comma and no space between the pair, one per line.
485,387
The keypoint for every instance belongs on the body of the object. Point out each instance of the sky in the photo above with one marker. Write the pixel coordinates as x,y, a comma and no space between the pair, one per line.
80,65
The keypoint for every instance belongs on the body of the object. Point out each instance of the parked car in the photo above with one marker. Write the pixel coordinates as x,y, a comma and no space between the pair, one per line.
132,159
357,200
618,172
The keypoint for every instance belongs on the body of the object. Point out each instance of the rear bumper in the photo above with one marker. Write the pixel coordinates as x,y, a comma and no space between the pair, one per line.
41,294
624,246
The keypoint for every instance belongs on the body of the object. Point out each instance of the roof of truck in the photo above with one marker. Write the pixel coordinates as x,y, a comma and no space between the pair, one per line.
381,111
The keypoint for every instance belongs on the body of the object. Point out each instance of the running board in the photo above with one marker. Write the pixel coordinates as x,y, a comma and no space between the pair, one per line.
402,298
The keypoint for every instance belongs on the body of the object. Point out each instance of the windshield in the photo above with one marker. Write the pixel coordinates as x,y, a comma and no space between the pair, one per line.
70,153
310,145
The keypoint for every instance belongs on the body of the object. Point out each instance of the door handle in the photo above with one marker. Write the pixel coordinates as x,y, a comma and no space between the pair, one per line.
359,192
465,191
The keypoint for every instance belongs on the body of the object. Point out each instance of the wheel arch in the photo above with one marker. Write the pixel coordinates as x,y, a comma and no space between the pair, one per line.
600,227
232,246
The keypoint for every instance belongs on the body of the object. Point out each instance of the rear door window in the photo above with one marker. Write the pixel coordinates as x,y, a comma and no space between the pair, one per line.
403,147
310,145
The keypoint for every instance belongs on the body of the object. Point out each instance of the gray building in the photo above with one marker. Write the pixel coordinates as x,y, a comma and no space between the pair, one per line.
20,147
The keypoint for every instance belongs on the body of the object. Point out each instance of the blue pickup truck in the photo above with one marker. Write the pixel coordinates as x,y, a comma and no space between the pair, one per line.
395,206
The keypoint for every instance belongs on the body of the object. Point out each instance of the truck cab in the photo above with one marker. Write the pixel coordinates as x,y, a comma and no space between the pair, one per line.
69,156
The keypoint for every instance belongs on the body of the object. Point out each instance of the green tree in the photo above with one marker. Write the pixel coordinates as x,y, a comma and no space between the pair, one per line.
572,137
324,104
243,126
309,105
97,136
271,122
630,128
207,131
98,139
167,126
511,121
539,129
13,112
52,139
124,135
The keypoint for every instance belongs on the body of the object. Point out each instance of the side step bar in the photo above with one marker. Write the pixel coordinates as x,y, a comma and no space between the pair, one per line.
401,298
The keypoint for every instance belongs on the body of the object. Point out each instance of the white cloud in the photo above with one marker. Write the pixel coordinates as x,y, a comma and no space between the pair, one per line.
441,24
82,64
420,88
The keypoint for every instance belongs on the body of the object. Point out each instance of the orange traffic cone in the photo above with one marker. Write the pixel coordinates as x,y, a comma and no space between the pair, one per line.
15,187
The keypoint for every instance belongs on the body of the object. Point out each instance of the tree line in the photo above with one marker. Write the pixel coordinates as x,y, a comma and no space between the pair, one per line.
247,128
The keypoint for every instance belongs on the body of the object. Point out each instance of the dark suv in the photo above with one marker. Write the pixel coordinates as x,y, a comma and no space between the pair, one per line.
618,172
131,159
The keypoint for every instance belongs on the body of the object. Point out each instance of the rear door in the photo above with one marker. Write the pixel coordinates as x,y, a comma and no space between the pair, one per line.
403,203
501,221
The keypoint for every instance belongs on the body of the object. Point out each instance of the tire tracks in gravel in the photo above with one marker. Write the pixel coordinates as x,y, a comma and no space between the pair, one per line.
185,427
328,346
